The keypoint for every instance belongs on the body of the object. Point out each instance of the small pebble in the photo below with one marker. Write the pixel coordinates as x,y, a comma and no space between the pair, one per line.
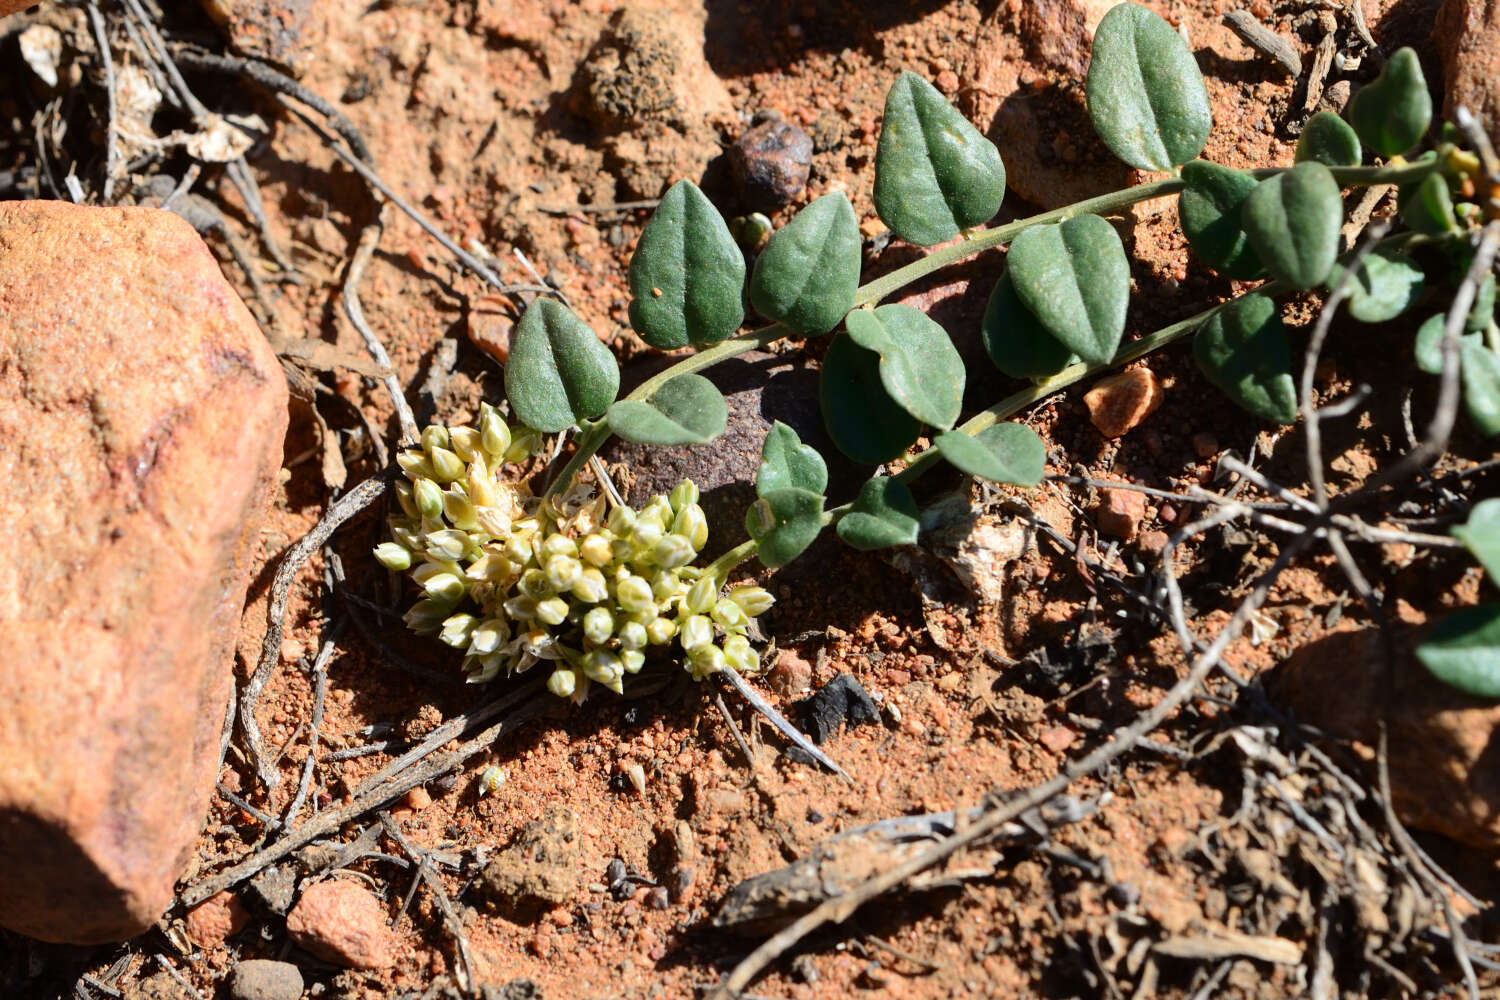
1120,512
771,163
418,799
342,922
678,882
262,979
658,898
215,919
791,675
1120,402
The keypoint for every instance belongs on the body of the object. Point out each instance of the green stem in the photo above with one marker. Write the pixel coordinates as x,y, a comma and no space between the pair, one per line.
591,437
721,567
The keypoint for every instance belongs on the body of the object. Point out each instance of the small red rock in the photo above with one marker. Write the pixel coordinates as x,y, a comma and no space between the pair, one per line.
212,921
418,799
1057,739
342,922
1120,512
1120,402
791,675
1152,542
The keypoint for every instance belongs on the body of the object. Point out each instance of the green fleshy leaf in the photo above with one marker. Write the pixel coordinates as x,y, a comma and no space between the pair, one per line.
559,373
1328,139
883,516
785,461
1210,208
1429,346
808,273
687,275
1427,206
1293,222
1145,94
784,522
919,366
1004,453
935,174
1243,349
1016,340
1075,279
1481,375
689,409
864,422
1483,309
1481,533
1387,283
1464,651
1391,113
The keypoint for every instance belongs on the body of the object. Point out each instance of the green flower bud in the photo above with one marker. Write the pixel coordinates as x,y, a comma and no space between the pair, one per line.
598,625
665,585
692,524
534,583
604,667
590,587
518,548
563,682
596,550
406,500
634,595
553,611
621,520
488,635
644,538
493,521
445,587
465,443
429,498
458,629
696,631
739,654
559,545
754,600
460,511
700,596
660,631
393,557
562,572
482,669
521,609
446,465
632,660
673,551
407,537
705,660
415,464
729,615
434,436
524,443
683,493
494,432
632,635
448,544
658,511
426,616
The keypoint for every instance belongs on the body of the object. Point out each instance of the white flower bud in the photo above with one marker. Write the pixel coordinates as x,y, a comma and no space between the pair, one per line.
596,550
426,616
590,587
644,538
458,629
683,493
407,537
553,611
634,595
563,682
539,644
691,524
696,631
605,667
665,585
494,433
700,596
673,551
754,600
598,626
705,660
406,500
492,778
434,436
446,465
465,443
429,498
632,660
534,583
658,512
559,545
729,615
740,655
482,487
488,635
660,631
521,609
621,520
459,511
445,587
562,572
415,464
631,635
393,557
449,544
493,521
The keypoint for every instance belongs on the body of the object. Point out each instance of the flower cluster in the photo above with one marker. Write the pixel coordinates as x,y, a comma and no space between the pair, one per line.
513,580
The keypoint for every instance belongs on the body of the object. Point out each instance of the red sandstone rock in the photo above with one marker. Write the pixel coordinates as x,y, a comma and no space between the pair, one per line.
142,415
211,922
1119,403
341,922
1120,512
11,6
1468,35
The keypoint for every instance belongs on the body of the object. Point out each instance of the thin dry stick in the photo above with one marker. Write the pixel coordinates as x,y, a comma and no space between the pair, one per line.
734,730
1265,41
320,692
838,909
339,511
369,239
784,727
364,801
451,920
107,59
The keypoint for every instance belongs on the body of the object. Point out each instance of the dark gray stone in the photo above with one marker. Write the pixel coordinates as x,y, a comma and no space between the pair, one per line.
771,162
